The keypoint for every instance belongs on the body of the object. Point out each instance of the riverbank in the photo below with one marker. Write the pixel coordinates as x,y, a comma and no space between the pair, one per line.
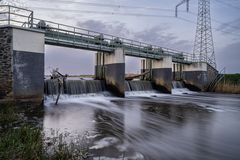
22,136
228,88
230,84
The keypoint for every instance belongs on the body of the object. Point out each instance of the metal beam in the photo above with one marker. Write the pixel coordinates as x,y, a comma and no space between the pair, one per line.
179,4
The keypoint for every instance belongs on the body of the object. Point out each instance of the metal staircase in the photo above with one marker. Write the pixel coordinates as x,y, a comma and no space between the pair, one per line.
213,84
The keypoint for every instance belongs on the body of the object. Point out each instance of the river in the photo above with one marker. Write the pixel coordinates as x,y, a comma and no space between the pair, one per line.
151,126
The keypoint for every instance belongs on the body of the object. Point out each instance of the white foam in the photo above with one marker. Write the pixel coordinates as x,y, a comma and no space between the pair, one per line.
142,94
100,102
63,99
180,91
106,158
105,142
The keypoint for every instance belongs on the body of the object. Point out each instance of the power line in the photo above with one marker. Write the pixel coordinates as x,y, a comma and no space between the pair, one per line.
130,7
214,20
122,14
219,22
227,4
102,12
192,22
107,5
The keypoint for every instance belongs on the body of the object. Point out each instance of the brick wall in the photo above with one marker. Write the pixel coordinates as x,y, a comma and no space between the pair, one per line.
5,62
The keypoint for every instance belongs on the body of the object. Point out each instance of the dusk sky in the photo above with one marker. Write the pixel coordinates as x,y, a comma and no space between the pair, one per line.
152,21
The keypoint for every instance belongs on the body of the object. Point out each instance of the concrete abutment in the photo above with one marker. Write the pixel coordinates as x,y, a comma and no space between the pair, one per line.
198,75
21,64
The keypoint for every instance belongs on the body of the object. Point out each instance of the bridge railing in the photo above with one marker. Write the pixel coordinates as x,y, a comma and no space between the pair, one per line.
105,40
11,15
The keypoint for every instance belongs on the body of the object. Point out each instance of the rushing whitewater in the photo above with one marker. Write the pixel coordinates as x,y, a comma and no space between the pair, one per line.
179,88
138,85
74,87
200,126
146,125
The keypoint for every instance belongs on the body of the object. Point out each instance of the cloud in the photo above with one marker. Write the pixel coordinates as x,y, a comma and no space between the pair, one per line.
113,28
230,27
232,52
69,61
158,35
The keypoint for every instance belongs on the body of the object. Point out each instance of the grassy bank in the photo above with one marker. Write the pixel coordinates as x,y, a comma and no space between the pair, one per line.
230,84
228,88
22,138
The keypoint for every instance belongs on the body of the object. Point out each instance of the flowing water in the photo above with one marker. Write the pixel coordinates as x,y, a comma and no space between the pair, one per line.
137,85
150,125
74,87
178,88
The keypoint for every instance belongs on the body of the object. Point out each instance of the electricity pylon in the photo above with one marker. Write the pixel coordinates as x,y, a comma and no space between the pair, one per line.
203,46
203,50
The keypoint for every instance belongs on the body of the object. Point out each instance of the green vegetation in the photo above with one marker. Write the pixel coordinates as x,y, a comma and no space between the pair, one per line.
230,84
232,78
7,115
21,143
25,141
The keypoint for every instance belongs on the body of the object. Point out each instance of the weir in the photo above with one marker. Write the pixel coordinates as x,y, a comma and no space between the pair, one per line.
22,42
178,87
138,85
21,63
74,87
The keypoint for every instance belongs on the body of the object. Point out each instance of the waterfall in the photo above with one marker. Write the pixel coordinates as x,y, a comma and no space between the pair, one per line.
74,87
127,86
178,84
179,88
51,87
138,86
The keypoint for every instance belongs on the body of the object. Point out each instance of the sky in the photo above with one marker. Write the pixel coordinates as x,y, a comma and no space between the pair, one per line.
150,21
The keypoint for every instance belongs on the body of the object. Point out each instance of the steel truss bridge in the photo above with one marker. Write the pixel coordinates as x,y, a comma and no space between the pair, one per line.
68,36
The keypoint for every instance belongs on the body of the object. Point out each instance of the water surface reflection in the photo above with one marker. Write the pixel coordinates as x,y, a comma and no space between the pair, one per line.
202,126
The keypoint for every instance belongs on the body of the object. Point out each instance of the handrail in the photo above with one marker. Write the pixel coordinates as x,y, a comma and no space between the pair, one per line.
212,85
11,6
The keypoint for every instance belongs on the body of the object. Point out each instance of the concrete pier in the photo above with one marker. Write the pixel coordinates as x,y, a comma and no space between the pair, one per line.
177,71
160,73
198,75
99,66
111,68
21,64
146,65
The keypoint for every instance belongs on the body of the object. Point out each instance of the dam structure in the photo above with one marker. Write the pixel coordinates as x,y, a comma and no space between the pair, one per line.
22,47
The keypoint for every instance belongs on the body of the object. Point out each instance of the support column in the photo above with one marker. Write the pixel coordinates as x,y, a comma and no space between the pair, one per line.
22,64
99,67
177,71
114,72
146,65
195,76
162,74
